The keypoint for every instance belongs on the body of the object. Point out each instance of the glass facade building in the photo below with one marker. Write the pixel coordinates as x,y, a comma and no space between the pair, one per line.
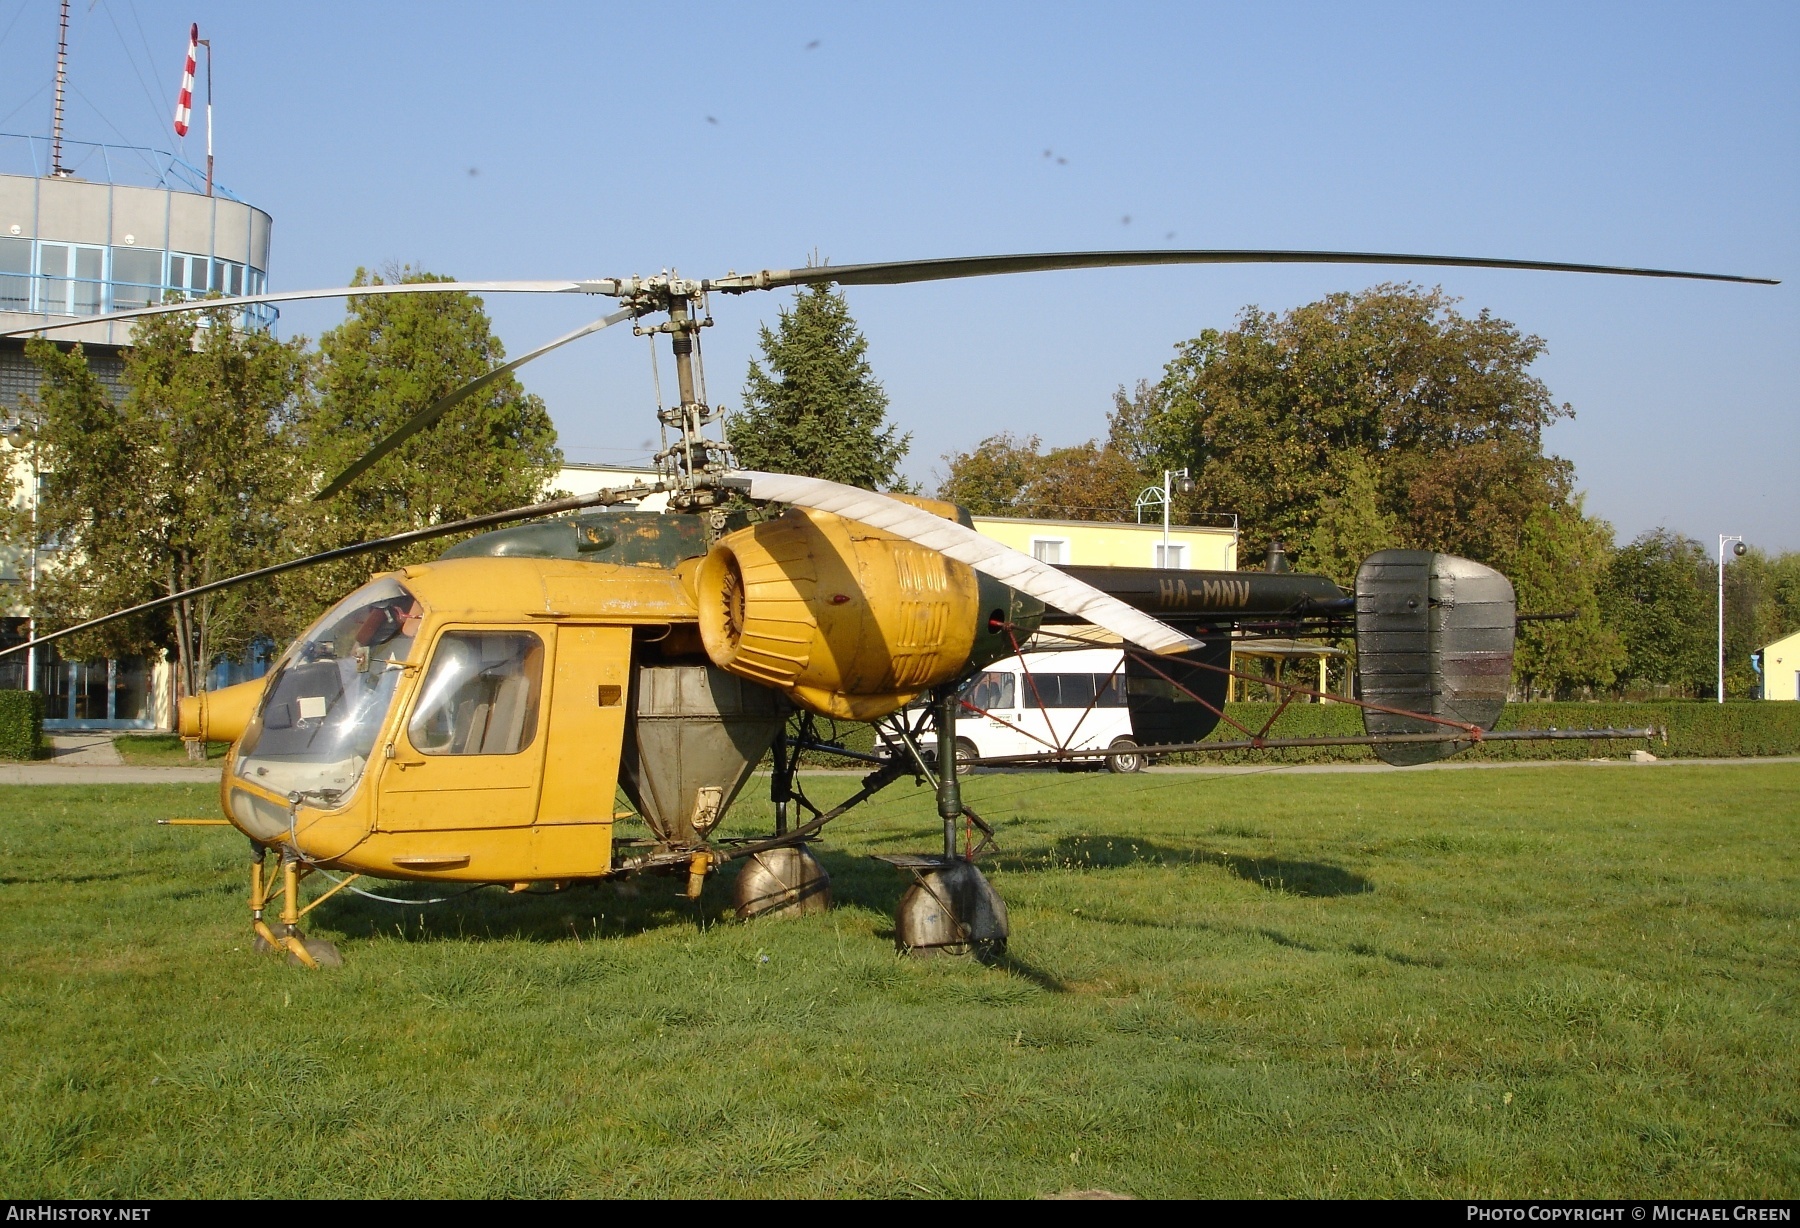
81,245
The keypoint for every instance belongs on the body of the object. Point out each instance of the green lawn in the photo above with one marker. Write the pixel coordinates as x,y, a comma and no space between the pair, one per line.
1570,981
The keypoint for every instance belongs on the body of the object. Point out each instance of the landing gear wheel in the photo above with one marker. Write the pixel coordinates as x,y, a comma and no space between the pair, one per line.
1124,757
324,954
966,754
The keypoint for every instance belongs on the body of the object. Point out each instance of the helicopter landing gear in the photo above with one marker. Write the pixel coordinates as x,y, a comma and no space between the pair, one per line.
951,908
284,934
785,882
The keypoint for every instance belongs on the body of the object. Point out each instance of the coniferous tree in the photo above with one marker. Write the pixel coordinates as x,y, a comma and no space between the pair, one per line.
817,410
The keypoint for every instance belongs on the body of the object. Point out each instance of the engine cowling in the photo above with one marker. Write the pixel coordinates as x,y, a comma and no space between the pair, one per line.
847,620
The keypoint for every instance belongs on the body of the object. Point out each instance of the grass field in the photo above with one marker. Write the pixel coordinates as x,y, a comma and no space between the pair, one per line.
1564,981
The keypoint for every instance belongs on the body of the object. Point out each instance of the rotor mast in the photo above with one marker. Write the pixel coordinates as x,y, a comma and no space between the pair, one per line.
692,459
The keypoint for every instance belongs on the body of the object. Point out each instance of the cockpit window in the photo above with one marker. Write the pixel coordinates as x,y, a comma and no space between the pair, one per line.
480,695
331,693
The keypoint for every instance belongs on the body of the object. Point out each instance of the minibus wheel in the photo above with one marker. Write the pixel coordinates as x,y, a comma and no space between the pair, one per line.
1123,756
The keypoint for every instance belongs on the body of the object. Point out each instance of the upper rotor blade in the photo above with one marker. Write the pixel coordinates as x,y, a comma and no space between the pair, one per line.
431,413
966,546
598,498
898,272
295,296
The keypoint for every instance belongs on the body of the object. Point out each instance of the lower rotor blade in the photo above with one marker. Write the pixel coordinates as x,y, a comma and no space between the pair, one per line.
900,272
1021,571
298,296
598,498
425,417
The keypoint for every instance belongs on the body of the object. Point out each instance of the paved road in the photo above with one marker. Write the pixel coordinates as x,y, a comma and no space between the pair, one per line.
55,773
84,750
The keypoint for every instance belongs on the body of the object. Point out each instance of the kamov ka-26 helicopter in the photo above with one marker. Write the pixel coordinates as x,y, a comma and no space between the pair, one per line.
472,719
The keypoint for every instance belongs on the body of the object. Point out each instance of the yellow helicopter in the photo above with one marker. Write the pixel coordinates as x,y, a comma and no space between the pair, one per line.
473,719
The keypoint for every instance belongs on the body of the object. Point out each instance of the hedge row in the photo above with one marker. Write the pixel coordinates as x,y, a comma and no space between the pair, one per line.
1697,729
21,724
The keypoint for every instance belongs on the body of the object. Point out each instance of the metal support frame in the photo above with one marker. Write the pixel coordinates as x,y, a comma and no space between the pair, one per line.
949,789
1454,730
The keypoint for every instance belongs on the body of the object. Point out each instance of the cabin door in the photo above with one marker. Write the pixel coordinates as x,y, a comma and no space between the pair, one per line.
469,752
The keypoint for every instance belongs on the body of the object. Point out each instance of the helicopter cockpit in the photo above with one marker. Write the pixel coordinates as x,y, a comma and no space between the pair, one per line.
323,711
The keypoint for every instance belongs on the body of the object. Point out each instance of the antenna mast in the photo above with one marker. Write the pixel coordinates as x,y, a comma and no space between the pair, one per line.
62,76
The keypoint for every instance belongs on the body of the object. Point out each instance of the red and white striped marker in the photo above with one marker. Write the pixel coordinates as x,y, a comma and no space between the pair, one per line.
184,105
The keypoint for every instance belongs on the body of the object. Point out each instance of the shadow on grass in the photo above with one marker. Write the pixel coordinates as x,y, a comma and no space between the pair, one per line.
583,910
1304,878
98,876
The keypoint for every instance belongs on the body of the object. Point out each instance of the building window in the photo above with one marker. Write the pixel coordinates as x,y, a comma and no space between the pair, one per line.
1050,549
1172,555
15,274
73,279
137,277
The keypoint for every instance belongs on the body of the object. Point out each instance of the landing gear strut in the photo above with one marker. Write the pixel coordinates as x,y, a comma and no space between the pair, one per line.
951,908
284,934
787,881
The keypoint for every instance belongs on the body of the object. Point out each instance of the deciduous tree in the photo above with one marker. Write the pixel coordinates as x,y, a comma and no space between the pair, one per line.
184,481
391,357
1561,566
1004,475
1438,408
1659,597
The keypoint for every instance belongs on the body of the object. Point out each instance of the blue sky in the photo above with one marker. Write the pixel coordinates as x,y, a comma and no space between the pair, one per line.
1641,134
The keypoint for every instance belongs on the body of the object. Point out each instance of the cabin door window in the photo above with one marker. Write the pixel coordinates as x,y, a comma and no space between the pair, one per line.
471,752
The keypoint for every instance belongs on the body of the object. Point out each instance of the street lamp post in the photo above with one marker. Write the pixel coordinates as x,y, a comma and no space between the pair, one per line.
1739,550
1173,480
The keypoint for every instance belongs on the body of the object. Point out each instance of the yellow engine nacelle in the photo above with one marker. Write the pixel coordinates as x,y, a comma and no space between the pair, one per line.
222,715
849,621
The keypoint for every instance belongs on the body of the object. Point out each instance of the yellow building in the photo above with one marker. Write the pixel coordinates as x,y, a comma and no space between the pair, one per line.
1090,543
575,479
1096,543
1781,668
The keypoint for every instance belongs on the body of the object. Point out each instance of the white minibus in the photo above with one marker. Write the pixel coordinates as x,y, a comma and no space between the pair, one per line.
1065,699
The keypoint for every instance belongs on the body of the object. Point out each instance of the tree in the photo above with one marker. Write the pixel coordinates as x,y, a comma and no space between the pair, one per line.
392,356
818,409
1562,566
1351,523
183,482
1762,604
1658,597
1007,476
1438,408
